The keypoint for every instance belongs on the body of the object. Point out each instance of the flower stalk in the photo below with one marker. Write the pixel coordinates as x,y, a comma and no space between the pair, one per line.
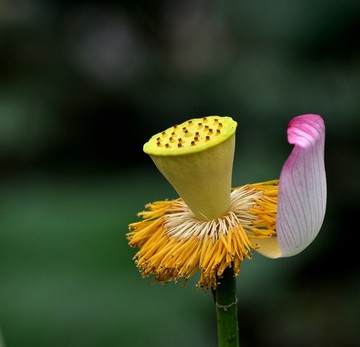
226,310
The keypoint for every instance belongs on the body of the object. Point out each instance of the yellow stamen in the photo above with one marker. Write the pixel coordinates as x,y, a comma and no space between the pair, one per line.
174,244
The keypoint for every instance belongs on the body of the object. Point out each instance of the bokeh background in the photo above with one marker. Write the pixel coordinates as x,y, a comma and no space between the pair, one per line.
84,84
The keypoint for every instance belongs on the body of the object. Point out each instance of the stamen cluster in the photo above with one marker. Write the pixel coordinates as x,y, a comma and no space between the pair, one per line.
175,244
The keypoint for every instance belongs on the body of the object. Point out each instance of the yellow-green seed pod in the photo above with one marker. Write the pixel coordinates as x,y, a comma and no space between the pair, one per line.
196,157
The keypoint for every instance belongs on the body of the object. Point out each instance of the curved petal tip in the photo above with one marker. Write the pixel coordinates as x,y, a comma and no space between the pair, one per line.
302,187
305,130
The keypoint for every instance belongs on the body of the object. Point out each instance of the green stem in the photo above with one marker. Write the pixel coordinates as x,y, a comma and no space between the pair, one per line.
226,310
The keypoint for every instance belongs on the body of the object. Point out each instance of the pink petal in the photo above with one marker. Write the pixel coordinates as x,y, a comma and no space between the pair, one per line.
302,186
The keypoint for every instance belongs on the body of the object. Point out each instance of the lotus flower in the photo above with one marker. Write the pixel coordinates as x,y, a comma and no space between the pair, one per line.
212,226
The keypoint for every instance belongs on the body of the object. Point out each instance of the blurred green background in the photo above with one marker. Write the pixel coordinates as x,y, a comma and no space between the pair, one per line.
84,84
